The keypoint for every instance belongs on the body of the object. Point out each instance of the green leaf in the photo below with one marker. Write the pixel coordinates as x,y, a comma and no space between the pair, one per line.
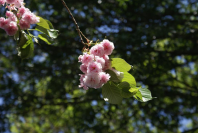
143,95
41,29
27,51
111,93
43,23
126,90
113,77
22,38
28,42
50,24
16,36
53,33
45,38
25,45
130,79
50,32
120,64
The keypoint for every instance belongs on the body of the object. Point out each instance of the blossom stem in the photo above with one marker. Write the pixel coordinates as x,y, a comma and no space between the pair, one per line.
77,27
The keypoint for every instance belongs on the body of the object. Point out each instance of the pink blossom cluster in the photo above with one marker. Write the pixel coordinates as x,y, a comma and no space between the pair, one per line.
94,64
17,12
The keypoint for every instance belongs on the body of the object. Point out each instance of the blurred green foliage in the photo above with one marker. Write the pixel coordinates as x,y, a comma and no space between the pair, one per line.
159,38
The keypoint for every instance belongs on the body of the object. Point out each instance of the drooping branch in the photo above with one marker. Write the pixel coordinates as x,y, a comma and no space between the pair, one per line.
77,27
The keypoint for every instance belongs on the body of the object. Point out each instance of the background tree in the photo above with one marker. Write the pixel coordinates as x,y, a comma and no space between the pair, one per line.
159,38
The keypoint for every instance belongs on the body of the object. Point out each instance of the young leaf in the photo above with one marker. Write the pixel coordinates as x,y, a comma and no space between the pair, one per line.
120,64
130,79
22,38
50,24
114,77
43,23
143,95
52,33
41,29
44,38
126,90
111,93
27,49
16,36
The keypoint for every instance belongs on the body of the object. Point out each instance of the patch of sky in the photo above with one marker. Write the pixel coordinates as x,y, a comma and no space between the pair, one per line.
173,72
143,37
178,6
82,14
97,10
94,103
182,10
15,76
106,29
185,124
40,58
168,17
128,29
146,26
117,21
181,59
160,9
68,96
113,13
85,7
98,115
128,53
1,101
106,107
185,2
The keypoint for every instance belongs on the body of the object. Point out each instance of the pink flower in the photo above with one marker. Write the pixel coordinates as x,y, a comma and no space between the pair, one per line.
11,7
22,10
4,22
100,60
92,80
11,16
35,19
97,50
86,59
18,3
82,76
94,67
107,62
107,65
30,18
11,28
108,46
83,68
24,24
104,78
2,2
10,1
80,58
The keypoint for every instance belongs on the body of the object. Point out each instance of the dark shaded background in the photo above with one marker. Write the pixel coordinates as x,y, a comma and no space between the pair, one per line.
159,38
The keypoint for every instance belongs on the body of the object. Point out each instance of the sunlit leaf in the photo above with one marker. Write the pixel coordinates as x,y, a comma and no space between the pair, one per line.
120,64
143,95
130,79
43,23
113,77
126,90
44,38
53,33
111,93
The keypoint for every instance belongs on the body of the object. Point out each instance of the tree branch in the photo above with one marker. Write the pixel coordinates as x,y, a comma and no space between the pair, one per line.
77,27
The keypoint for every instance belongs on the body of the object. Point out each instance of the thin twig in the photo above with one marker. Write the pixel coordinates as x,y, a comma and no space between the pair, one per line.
77,27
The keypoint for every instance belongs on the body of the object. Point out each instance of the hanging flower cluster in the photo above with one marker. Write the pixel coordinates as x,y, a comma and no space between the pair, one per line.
17,12
94,64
